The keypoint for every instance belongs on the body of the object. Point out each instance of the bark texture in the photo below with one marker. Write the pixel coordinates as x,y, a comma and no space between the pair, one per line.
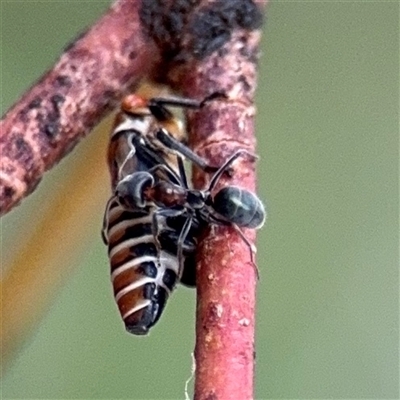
68,101
225,276
217,51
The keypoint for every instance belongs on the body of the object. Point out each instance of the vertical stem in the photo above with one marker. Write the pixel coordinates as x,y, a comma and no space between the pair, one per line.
225,276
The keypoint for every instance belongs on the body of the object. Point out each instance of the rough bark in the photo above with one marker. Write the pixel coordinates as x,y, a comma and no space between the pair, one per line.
217,51
70,99
225,276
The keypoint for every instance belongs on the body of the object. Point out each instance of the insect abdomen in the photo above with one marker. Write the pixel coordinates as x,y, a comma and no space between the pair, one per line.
240,207
142,276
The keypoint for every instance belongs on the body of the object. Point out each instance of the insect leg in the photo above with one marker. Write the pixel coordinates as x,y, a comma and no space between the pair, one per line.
183,102
104,233
180,179
181,240
182,172
214,180
174,144
182,236
130,190
252,248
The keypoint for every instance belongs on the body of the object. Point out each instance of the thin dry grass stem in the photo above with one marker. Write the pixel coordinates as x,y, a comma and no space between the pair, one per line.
40,267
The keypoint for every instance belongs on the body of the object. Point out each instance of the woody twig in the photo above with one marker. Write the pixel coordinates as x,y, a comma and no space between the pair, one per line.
69,100
217,51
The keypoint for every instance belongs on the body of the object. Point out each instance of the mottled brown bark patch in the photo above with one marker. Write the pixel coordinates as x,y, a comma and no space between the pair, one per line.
192,29
220,53
93,73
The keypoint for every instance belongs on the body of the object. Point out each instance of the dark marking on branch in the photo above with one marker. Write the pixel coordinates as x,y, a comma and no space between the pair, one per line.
50,121
165,22
94,72
35,103
19,148
9,192
193,29
63,80
213,24
21,145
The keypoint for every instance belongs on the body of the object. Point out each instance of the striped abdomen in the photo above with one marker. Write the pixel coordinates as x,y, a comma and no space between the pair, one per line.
142,276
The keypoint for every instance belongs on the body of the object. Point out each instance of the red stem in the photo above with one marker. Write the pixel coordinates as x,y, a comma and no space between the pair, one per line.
225,277
64,105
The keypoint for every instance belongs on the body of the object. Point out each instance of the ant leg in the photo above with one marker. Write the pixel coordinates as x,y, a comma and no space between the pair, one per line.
174,144
218,221
182,172
227,164
252,248
155,225
180,179
182,236
181,240
183,102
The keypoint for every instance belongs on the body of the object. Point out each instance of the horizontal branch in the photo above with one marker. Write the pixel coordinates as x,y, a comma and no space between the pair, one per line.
70,99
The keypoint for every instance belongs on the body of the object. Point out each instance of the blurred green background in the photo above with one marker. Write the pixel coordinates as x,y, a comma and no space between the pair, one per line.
328,298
